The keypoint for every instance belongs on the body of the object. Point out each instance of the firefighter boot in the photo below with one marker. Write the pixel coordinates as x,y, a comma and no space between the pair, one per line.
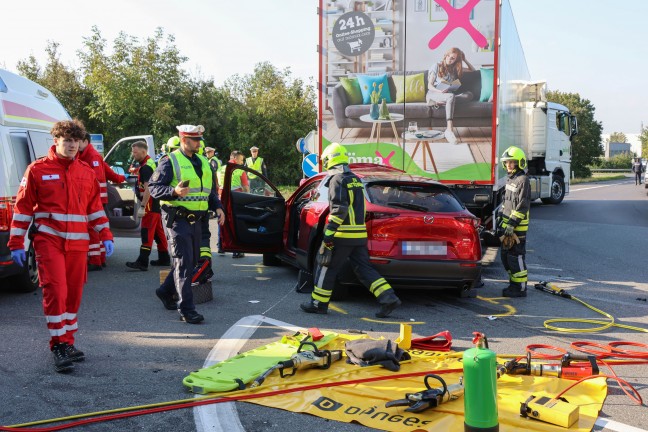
163,259
314,306
73,353
513,291
388,302
141,263
62,363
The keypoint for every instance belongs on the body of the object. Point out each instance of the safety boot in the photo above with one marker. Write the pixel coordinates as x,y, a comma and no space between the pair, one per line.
388,302
512,291
163,259
168,302
73,353
137,265
62,363
192,317
314,306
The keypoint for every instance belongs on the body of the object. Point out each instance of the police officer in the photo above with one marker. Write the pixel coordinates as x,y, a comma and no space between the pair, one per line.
514,219
183,183
345,237
637,168
258,164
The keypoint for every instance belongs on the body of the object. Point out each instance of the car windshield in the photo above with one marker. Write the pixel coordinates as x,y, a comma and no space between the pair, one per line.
412,196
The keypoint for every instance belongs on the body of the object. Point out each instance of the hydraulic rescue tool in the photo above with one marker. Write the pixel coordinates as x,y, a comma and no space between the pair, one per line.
431,397
550,288
550,410
565,369
320,359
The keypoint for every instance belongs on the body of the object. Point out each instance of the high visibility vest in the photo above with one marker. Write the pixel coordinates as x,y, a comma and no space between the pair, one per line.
236,177
150,163
256,165
199,188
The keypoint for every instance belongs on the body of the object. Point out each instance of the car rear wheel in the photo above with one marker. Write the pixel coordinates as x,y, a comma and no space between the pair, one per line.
271,260
27,281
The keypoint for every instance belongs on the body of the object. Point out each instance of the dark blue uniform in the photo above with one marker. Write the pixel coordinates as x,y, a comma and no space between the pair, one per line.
184,235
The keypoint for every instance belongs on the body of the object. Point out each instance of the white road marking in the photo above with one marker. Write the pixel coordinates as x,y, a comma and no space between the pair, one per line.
616,426
535,266
223,417
596,187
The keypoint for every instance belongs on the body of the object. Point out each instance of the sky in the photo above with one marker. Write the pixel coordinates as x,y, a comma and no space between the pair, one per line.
595,48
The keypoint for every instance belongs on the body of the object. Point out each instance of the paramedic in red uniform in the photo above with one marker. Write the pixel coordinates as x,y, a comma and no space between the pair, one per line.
89,155
60,194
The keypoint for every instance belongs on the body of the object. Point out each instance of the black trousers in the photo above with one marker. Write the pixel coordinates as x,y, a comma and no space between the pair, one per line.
359,258
184,248
514,261
637,178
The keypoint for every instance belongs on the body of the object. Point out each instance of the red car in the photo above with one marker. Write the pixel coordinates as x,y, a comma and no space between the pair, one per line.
420,235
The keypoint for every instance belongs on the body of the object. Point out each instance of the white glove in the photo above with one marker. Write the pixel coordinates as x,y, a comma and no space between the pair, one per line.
140,212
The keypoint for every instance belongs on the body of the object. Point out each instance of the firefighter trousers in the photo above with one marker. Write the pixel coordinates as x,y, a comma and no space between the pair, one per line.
152,230
62,274
514,261
184,248
359,257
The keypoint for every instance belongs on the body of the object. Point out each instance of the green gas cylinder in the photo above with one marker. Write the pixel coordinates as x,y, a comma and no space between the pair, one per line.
480,386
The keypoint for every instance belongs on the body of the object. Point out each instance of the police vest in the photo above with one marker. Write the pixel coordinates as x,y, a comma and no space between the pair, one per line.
150,163
236,177
199,188
256,165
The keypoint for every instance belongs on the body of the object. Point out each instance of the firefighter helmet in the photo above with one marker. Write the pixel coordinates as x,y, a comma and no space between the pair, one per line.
172,144
334,154
516,154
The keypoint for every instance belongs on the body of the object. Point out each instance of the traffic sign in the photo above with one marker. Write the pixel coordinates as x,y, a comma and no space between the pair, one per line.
309,165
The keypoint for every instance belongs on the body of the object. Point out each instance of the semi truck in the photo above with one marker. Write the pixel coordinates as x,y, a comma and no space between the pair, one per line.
397,52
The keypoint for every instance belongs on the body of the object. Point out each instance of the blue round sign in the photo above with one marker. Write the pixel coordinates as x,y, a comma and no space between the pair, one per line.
309,165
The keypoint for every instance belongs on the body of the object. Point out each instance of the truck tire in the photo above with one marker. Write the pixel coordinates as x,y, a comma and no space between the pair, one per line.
27,281
557,191
271,260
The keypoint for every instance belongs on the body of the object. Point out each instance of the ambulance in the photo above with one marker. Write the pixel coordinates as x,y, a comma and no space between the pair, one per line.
27,113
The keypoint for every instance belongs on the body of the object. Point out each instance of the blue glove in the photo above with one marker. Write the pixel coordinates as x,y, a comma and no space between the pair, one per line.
110,247
19,257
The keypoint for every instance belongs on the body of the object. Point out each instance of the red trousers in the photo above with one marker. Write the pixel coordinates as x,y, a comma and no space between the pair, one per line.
97,252
62,275
152,229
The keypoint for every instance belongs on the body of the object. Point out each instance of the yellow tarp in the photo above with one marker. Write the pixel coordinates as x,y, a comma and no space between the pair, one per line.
365,403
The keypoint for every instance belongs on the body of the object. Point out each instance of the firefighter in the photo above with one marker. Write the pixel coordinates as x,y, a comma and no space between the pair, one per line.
183,208
514,220
258,164
89,155
345,237
149,212
60,194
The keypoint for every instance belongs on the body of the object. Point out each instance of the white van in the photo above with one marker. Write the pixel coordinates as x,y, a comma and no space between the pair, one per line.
27,113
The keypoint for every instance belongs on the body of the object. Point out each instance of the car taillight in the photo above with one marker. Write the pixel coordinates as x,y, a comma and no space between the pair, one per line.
379,215
469,220
6,212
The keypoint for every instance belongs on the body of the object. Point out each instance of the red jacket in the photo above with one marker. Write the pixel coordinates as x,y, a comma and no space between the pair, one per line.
103,171
61,196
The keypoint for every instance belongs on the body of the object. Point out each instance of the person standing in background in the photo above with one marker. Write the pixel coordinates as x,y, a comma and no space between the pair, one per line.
258,164
637,168
60,194
89,155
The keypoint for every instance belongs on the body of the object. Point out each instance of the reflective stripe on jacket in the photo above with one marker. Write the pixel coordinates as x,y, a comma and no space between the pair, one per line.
517,201
346,221
61,197
199,187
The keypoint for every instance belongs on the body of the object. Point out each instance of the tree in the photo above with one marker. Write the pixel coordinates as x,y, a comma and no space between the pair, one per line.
618,137
586,146
643,137
136,89
273,111
61,80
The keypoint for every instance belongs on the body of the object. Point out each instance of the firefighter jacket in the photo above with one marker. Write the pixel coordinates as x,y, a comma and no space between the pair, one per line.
517,201
346,221
176,168
257,164
61,197
102,170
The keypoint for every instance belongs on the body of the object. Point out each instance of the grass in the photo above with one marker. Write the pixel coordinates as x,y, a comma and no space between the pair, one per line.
598,178
286,191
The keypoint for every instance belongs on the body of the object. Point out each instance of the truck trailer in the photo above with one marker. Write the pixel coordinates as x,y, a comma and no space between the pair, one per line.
403,55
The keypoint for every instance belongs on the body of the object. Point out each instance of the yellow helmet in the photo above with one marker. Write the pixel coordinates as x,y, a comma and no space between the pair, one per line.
201,150
334,154
172,144
516,154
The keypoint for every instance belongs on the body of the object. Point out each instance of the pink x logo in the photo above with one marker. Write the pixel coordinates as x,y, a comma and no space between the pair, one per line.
458,18
385,160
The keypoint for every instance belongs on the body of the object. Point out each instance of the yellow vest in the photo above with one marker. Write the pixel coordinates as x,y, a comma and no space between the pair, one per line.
199,188
236,177
256,165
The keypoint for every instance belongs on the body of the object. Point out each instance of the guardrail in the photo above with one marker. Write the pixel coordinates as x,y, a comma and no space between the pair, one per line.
619,170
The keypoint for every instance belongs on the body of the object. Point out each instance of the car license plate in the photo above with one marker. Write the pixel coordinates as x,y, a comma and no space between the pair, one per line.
424,248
